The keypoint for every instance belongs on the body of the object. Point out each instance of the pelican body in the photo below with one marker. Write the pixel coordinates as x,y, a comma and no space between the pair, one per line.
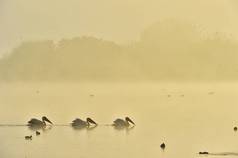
39,123
81,123
123,123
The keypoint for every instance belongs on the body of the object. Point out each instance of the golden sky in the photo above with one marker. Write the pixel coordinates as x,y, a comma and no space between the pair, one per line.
117,20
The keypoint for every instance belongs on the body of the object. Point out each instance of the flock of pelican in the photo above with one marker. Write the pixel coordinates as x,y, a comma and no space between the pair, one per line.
79,123
36,124
120,123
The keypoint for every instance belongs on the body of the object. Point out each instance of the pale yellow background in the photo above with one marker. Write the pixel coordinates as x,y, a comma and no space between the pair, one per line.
117,20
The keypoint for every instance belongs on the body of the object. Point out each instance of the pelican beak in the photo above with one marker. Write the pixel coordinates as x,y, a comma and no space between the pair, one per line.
47,120
129,120
89,120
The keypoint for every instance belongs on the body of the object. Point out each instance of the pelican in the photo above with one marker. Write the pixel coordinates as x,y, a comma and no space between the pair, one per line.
123,123
38,123
81,123
37,133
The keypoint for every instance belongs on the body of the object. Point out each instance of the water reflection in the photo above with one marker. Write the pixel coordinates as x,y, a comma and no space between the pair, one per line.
127,130
123,128
156,117
37,128
89,128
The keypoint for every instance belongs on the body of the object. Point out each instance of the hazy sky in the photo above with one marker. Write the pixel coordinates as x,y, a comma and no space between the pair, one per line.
118,20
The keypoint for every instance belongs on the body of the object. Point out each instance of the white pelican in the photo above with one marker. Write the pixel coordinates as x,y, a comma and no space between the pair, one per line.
81,123
122,123
38,123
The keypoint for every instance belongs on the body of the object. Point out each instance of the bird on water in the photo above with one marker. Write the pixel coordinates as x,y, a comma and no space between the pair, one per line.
28,137
39,123
37,133
162,146
81,123
123,123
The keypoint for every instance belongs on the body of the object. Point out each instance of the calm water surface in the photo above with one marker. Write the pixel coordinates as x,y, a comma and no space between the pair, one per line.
188,117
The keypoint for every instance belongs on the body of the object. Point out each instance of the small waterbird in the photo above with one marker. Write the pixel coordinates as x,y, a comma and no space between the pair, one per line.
162,146
37,133
81,123
39,123
28,137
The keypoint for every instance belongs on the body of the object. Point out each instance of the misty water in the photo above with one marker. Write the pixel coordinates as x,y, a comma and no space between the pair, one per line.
187,117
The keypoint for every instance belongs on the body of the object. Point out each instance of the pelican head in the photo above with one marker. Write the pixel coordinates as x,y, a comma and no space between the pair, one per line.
129,120
89,120
46,119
